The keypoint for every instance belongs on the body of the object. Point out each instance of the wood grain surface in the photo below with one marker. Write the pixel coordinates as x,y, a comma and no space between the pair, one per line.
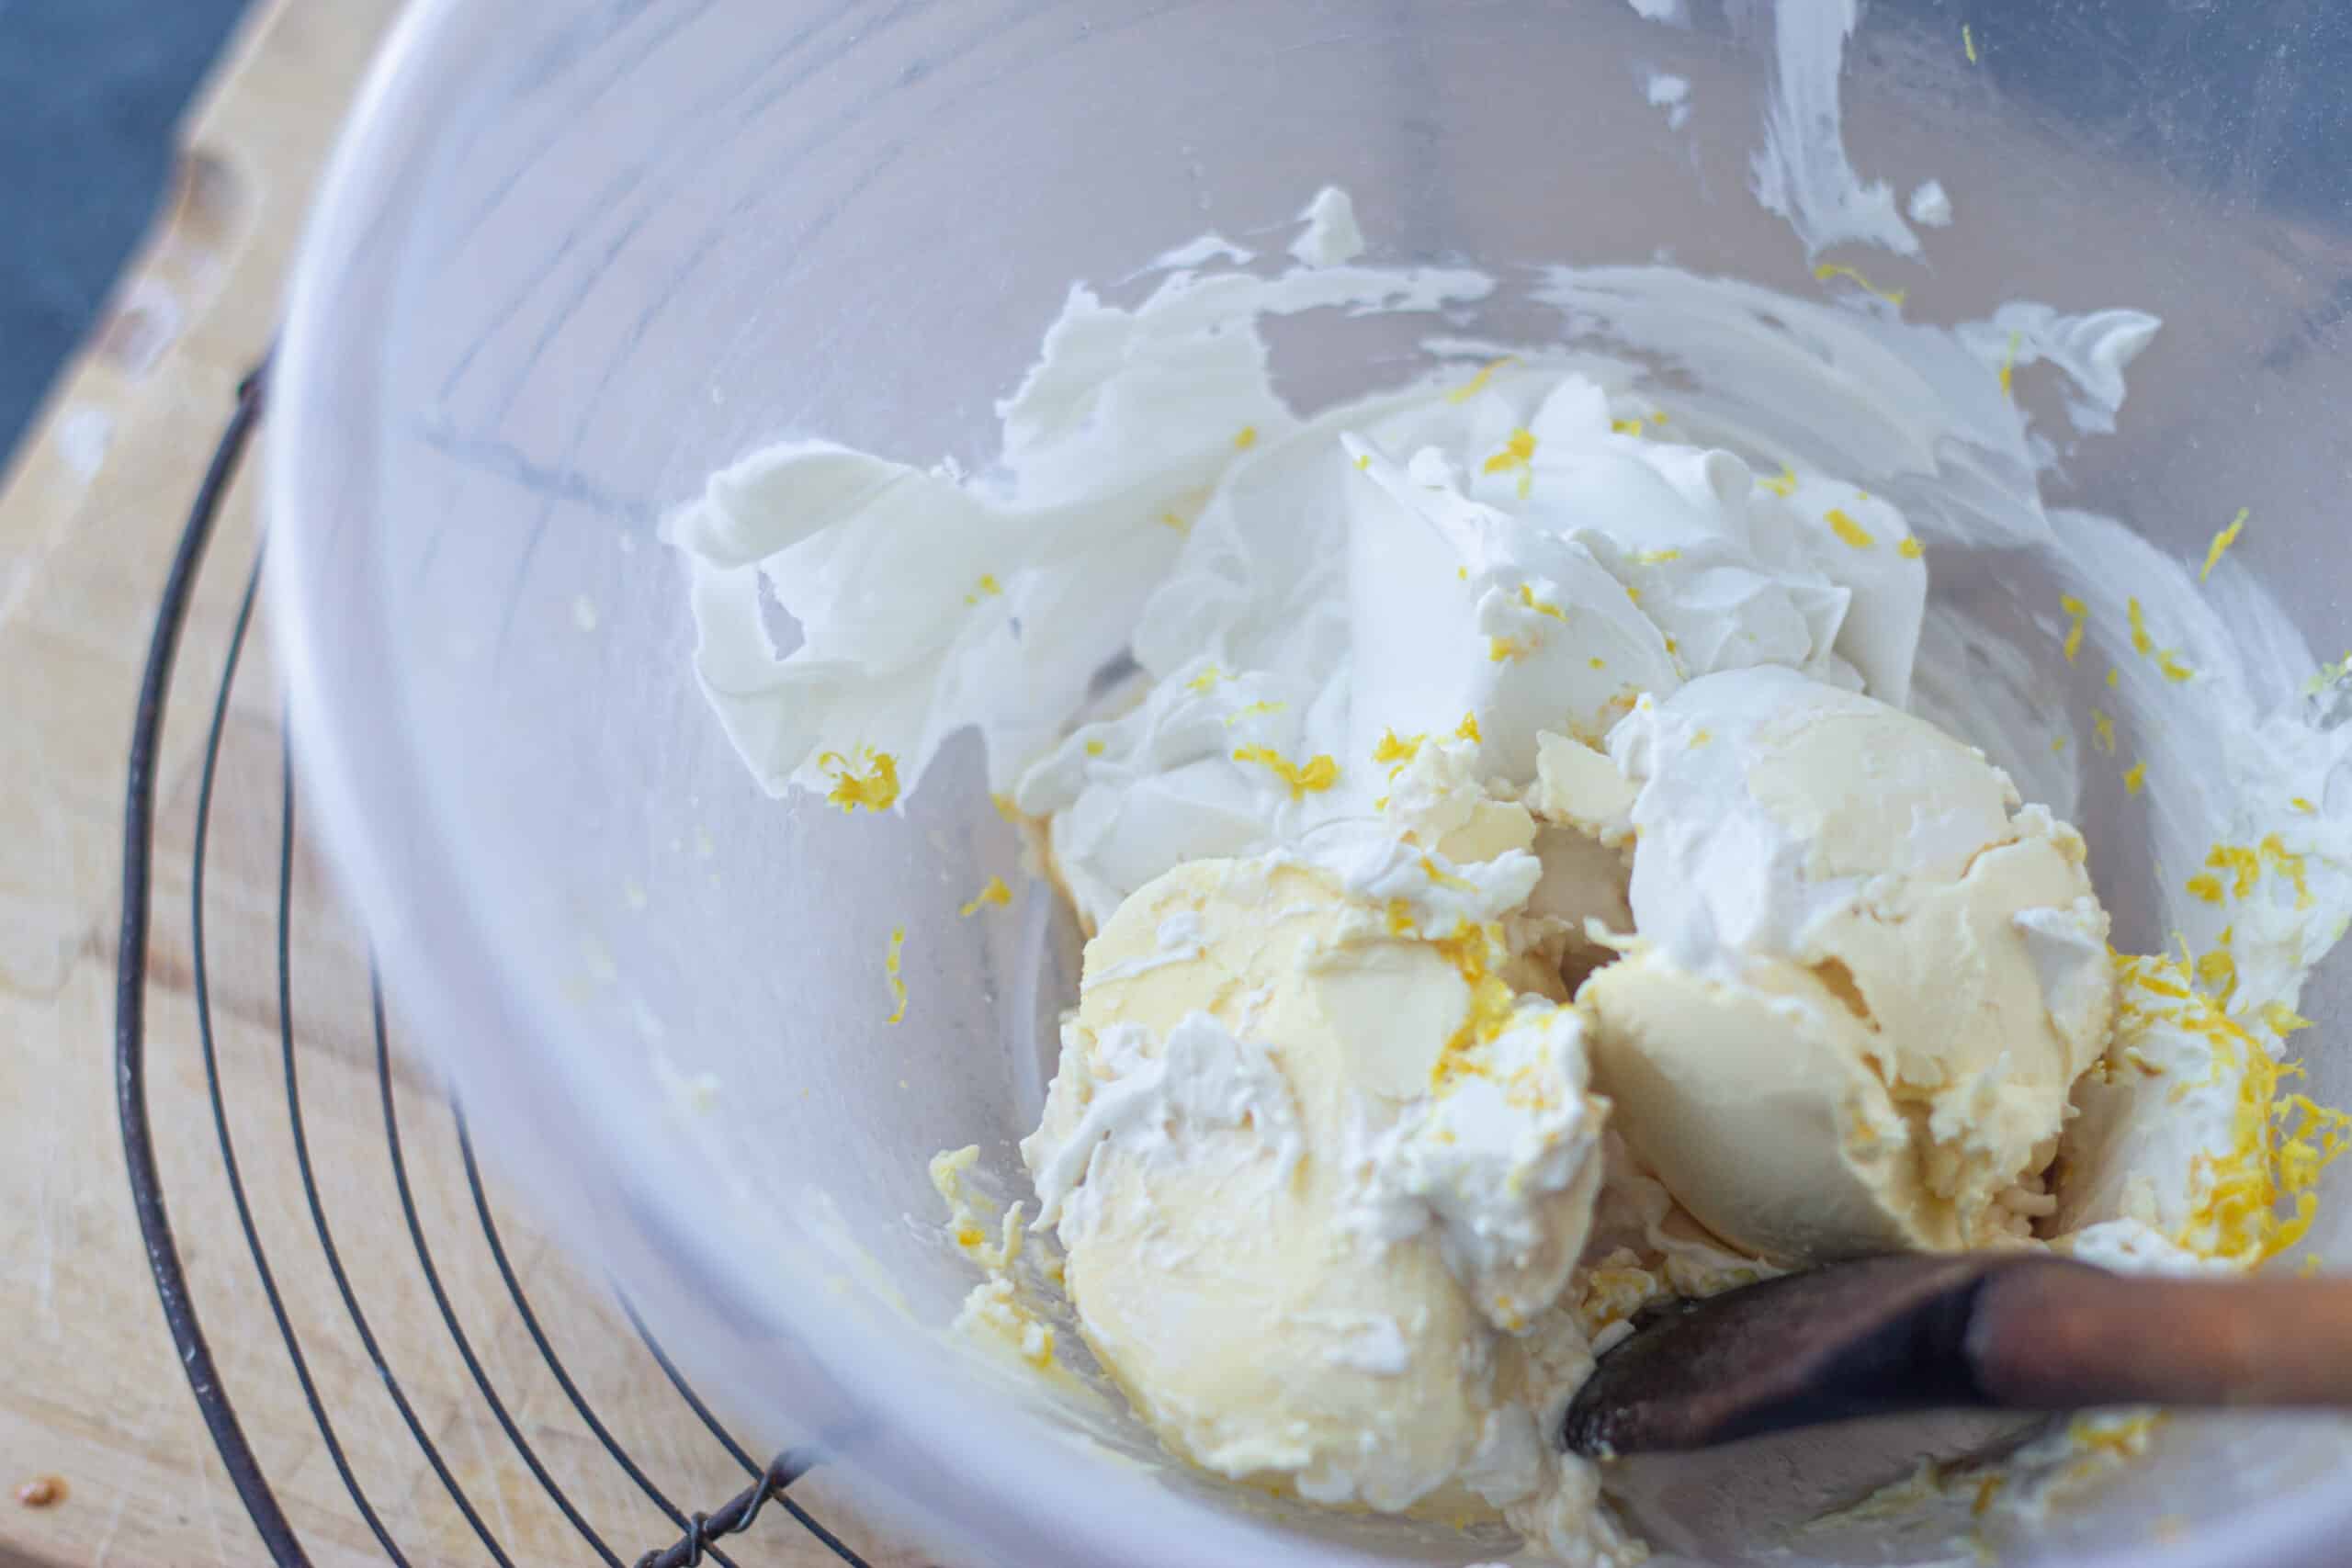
102,1449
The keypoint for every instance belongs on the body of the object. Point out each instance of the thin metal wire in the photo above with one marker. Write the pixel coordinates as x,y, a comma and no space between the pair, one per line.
808,1520
531,1319
310,1177
738,1514
441,1297
131,1013
701,1531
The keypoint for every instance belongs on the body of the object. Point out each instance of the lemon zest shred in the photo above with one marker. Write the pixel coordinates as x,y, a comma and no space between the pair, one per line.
1910,549
1317,774
2222,541
2135,778
1842,525
890,971
2078,616
1477,384
876,787
996,895
1245,438
1468,728
1828,270
1517,453
1397,750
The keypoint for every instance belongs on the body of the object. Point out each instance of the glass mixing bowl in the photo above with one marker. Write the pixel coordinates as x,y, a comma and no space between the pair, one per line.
570,259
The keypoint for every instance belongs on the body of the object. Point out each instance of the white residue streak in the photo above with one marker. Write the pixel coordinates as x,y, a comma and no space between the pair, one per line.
1331,236
1930,205
1672,93
1803,171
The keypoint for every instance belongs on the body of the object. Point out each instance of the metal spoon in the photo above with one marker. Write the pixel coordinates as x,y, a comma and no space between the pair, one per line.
1887,1336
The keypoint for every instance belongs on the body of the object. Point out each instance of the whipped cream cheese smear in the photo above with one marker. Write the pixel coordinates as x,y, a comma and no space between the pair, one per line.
1545,845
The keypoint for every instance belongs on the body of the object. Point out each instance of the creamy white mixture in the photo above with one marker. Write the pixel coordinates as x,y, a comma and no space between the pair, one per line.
1552,671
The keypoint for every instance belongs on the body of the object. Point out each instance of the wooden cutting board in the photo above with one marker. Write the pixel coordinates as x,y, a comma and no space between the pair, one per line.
102,1449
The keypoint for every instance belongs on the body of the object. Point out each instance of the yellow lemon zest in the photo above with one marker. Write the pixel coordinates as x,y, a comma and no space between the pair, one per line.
890,972
1828,270
2078,615
2135,778
1444,878
1968,42
1527,597
2275,851
2009,367
1470,950
1516,454
2222,542
1783,484
1910,549
1656,558
1500,648
995,895
1468,728
1397,750
1319,773
1096,748
2283,1020
1245,438
1471,387
2209,888
2103,731
877,788
1171,520
1846,528
1205,682
1252,711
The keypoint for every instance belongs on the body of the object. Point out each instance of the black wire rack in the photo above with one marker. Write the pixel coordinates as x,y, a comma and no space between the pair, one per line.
699,1535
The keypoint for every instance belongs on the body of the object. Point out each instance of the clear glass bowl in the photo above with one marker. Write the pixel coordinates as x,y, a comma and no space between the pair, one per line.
573,258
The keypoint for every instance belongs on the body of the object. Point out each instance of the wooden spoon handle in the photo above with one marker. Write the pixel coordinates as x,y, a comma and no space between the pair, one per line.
2065,1338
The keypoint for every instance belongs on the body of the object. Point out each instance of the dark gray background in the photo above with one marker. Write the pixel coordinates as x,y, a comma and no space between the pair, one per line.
90,91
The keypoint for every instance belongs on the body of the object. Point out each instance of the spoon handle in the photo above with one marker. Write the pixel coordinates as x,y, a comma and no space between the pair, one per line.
2067,1338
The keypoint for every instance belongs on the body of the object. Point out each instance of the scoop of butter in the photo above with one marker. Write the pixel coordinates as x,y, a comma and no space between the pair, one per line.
1863,979
1312,1167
